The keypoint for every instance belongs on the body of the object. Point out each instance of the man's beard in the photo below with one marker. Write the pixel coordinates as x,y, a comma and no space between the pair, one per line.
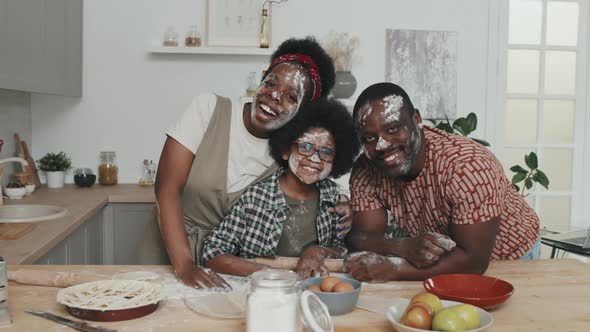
412,157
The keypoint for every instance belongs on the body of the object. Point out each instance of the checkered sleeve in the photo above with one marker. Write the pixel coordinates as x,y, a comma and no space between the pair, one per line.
225,238
363,194
338,243
476,189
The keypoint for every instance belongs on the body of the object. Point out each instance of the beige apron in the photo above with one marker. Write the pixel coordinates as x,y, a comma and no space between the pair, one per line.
205,199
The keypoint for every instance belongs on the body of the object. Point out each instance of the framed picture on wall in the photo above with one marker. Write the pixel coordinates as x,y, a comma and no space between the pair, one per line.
234,22
424,63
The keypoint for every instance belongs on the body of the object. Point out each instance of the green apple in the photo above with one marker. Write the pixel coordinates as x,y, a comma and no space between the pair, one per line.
448,320
468,313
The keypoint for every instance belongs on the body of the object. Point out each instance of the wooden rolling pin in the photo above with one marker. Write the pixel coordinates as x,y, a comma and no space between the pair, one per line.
290,263
54,278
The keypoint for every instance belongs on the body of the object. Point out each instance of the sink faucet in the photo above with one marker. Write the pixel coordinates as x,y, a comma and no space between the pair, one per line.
6,160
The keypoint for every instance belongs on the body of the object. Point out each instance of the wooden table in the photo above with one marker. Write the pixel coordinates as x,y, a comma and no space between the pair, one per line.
550,295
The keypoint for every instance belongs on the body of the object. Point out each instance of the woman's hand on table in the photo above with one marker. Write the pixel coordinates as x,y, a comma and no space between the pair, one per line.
311,263
204,278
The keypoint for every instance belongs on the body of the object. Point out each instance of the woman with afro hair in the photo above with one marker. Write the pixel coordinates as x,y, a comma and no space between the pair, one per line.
218,147
288,213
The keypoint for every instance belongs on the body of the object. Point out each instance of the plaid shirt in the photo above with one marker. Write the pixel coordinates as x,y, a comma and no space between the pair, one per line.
255,223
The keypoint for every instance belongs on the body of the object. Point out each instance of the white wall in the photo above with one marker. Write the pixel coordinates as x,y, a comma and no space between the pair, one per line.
130,97
15,117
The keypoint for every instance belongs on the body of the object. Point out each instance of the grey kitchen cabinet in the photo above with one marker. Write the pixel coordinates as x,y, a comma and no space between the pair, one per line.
114,235
41,46
125,229
83,246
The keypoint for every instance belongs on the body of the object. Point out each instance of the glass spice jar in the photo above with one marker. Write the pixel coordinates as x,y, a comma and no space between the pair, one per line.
193,37
108,170
170,37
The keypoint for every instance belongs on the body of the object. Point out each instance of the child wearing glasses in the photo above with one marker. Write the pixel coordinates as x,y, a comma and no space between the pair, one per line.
287,214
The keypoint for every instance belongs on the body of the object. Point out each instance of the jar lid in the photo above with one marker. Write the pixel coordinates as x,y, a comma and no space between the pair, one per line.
274,278
314,313
83,171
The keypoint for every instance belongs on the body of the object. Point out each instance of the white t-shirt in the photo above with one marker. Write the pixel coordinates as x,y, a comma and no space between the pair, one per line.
248,155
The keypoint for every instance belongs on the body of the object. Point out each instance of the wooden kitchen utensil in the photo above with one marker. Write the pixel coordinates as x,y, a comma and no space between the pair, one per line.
12,231
54,278
290,263
19,146
34,173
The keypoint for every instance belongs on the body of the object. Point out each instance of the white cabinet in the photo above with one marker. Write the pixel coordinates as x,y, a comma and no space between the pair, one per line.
41,46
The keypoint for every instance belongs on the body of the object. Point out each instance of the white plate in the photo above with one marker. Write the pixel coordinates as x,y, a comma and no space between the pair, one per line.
395,312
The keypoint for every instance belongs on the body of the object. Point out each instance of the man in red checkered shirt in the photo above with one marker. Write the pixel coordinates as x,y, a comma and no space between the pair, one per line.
448,193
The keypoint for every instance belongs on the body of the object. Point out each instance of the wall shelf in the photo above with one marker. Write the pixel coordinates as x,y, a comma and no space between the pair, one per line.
212,50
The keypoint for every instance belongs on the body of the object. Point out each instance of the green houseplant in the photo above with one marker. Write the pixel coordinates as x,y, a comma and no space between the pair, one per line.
466,125
55,165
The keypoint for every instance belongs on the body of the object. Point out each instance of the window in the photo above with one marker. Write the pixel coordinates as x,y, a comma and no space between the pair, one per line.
544,97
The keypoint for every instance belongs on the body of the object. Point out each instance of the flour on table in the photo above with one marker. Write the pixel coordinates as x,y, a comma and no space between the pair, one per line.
174,288
137,275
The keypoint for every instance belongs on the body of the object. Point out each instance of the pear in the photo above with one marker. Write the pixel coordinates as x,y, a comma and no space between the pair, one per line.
448,320
469,314
418,315
429,299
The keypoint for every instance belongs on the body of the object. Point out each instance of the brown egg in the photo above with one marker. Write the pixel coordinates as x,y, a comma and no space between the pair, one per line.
314,288
342,286
328,283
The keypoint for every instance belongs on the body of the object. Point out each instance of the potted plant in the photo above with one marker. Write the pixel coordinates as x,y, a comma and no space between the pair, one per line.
466,125
341,47
55,165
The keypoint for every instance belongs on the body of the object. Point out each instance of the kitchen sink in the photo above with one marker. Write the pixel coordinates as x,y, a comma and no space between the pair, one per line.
30,213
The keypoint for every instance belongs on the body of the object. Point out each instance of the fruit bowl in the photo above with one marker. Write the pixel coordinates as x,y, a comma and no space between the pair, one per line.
396,311
338,303
481,291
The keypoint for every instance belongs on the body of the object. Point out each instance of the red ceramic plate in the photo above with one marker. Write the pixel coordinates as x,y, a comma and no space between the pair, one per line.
482,291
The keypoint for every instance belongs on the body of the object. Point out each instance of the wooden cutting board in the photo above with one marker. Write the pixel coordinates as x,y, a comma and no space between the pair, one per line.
34,173
14,231
55,278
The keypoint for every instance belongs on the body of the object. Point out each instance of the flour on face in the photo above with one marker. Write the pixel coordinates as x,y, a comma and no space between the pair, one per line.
279,96
364,113
311,169
382,144
392,107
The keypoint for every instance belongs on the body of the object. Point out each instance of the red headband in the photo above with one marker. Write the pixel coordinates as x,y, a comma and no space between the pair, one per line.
314,73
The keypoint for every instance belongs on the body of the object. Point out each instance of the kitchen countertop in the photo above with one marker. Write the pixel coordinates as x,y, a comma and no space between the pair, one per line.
550,295
82,204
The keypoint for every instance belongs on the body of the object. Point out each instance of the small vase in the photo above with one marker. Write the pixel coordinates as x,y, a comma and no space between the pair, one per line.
55,179
345,85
